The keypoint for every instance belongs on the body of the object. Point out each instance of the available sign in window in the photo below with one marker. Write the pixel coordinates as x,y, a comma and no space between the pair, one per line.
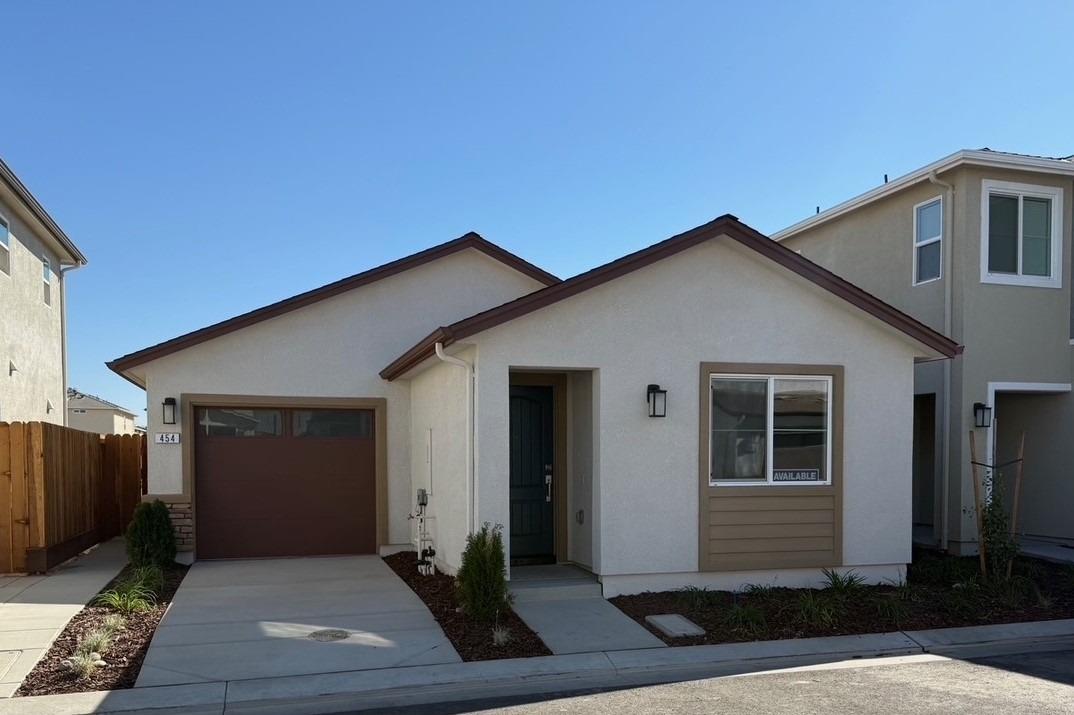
796,475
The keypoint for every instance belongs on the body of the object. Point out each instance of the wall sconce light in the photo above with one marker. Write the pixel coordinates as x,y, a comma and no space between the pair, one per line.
658,401
49,407
169,410
982,415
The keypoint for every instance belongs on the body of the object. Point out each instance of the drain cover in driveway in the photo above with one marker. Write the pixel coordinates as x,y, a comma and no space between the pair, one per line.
329,634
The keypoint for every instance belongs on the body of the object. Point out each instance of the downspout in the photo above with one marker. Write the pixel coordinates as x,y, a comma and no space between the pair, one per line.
471,506
948,301
62,272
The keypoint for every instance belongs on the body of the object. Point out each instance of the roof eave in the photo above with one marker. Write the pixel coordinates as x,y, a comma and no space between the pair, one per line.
41,215
966,156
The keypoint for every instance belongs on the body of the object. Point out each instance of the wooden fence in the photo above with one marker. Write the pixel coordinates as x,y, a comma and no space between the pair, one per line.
63,490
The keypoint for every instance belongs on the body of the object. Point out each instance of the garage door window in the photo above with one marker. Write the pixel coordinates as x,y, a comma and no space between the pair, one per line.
332,423
233,422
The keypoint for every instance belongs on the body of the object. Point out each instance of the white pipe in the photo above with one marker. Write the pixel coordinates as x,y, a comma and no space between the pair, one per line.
949,279
471,507
62,273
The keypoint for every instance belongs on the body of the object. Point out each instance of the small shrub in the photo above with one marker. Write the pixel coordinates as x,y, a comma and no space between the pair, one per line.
150,537
500,636
759,592
746,618
698,598
96,641
151,578
481,584
816,611
842,584
892,609
127,599
114,623
83,665
1014,592
1000,545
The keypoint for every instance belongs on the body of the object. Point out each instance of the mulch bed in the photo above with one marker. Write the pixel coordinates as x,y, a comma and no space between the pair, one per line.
472,639
124,656
942,592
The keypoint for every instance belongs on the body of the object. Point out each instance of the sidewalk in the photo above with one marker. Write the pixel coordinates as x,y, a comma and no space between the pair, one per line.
416,685
35,609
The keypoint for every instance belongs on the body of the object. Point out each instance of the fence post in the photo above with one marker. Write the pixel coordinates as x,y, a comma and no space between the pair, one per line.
6,512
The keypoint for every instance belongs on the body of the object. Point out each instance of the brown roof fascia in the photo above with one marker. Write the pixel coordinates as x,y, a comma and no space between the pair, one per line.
726,224
470,240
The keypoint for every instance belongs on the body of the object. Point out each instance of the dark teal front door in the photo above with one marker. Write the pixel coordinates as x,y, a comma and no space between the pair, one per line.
532,535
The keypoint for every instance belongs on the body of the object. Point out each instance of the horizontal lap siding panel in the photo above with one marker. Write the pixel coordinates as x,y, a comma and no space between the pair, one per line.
773,531
772,559
811,516
761,546
780,502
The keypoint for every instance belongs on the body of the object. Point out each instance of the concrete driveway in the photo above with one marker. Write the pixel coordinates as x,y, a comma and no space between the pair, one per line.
233,620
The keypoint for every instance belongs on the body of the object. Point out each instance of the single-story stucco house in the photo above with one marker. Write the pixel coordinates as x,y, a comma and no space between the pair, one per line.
712,410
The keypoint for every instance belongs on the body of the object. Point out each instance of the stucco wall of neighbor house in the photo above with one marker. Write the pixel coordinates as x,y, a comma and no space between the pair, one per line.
873,247
719,302
100,421
439,419
30,331
1011,334
333,348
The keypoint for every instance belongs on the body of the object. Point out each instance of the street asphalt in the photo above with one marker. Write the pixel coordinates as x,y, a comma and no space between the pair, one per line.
1039,683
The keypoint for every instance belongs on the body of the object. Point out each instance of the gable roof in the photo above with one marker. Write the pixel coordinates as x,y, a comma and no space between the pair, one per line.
38,212
1063,165
724,225
92,402
469,240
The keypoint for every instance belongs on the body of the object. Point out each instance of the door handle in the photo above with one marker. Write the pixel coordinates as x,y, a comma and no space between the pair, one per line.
548,487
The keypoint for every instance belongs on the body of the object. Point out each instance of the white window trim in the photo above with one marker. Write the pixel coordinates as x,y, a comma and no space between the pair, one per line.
1055,194
46,279
769,441
929,241
4,219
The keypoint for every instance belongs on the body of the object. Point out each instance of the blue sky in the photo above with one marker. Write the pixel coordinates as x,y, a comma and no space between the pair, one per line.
210,157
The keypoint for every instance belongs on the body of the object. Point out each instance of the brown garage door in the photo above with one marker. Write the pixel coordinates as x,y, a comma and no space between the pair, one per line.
284,482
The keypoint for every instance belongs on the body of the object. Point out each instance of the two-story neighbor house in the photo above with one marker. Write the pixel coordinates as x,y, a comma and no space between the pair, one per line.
976,245
35,255
90,413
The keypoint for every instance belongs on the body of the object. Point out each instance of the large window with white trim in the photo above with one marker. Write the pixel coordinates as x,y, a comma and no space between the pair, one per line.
1021,234
770,429
928,241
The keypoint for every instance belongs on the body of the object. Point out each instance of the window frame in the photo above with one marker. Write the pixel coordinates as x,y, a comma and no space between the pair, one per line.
46,280
772,377
6,247
990,187
929,241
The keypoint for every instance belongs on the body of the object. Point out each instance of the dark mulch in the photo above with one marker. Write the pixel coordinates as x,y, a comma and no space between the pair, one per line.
472,639
941,592
124,657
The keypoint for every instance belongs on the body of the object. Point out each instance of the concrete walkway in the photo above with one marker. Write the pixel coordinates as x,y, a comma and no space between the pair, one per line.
564,607
34,609
236,620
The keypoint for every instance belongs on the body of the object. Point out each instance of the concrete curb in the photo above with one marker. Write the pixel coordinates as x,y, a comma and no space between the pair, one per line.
353,690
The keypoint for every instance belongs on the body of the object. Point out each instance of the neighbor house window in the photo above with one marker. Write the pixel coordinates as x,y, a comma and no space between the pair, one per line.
237,422
770,429
46,274
5,246
928,246
1021,234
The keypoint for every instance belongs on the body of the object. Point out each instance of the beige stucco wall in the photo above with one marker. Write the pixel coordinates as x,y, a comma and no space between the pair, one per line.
100,421
584,440
1010,333
439,419
334,348
716,302
30,331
